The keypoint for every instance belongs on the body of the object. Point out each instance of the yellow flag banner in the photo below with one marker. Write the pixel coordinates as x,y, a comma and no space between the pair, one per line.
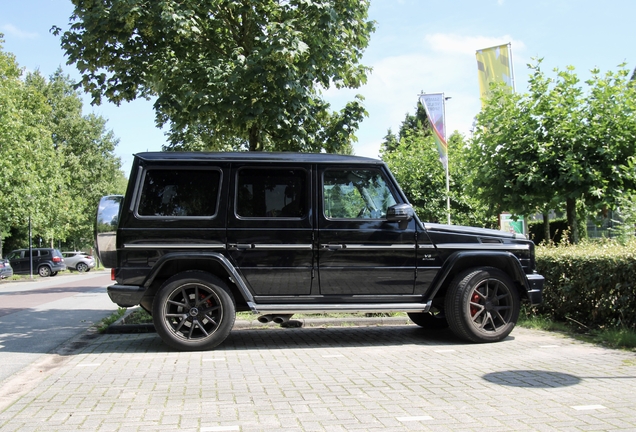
493,65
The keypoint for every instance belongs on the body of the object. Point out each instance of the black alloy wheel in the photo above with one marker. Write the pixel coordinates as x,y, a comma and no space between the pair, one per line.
482,305
193,311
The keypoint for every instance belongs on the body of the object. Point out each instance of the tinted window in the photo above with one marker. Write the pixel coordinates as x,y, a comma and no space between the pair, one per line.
271,193
44,253
180,193
356,194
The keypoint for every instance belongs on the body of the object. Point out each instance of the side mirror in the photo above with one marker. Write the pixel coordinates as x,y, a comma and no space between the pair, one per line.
400,213
108,213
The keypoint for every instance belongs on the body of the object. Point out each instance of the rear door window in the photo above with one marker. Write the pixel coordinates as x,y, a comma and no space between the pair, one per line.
271,193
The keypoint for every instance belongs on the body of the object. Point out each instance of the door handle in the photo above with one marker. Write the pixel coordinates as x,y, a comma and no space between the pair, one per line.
240,246
332,246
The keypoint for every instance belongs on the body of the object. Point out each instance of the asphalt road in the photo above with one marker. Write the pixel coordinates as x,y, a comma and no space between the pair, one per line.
37,317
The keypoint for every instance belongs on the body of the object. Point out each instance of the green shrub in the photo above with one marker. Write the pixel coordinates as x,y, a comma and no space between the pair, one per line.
591,283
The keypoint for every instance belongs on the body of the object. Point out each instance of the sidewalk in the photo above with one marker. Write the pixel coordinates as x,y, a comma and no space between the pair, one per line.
393,377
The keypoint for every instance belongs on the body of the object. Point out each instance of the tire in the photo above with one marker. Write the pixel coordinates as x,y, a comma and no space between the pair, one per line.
193,311
433,320
53,273
482,305
81,267
44,271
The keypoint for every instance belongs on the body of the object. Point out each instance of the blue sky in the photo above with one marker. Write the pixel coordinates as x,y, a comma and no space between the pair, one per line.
419,45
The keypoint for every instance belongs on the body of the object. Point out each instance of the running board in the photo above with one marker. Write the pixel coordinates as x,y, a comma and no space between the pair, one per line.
339,308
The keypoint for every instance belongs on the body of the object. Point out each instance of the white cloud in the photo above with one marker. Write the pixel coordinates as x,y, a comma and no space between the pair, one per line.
452,43
12,30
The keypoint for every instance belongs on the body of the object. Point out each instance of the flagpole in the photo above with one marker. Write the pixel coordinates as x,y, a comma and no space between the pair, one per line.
447,161
512,69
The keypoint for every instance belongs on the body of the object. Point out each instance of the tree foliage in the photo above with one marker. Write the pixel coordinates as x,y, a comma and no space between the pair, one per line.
557,145
228,73
55,163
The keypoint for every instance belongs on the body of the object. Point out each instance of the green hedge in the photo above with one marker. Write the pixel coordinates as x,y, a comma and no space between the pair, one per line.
591,283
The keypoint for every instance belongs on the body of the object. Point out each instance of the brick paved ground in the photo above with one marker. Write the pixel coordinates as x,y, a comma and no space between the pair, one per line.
388,378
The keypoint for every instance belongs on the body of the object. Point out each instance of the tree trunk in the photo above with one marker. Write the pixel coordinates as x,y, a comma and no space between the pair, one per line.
570,204
546,228
255,145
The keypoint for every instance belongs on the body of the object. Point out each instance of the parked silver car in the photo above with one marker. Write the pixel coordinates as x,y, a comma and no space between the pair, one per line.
80,261
5,269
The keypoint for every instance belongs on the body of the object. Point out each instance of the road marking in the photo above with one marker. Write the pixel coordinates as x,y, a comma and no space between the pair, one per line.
550,346
89,365
333,356
414,418
444,351
213,359
588,407
219,428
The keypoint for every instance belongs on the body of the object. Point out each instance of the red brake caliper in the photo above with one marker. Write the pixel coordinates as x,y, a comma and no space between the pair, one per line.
474,299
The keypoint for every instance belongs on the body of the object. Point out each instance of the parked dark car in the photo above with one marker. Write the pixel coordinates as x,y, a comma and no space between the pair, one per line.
5,269
80,261
199,236
46,261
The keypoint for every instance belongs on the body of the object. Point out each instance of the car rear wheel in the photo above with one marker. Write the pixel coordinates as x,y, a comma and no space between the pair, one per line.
482,305
193,311
81,267
44,271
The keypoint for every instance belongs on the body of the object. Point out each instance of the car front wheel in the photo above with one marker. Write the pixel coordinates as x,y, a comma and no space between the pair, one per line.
193,311
482,305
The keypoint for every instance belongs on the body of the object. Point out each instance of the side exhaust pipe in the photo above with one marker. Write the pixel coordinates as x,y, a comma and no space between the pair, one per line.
281,319
265,318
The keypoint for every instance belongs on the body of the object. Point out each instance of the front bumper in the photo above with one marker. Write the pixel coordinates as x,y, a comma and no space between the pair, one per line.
535,291
126,295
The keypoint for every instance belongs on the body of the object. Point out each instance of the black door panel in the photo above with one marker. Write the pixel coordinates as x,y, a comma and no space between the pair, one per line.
270,233
360,252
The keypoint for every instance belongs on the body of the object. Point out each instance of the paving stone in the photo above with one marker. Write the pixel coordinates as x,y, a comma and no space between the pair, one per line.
334,379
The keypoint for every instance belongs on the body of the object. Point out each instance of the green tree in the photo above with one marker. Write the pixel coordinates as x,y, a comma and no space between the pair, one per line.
557,145
86,149
244,71
54,162
505,157
29,166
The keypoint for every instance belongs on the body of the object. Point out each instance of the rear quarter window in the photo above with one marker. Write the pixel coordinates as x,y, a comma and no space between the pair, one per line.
179,193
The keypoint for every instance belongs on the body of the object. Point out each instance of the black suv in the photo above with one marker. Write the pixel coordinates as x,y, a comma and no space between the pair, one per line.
46,261
199,236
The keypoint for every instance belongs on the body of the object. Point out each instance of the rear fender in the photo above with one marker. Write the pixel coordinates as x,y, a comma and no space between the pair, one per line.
180,261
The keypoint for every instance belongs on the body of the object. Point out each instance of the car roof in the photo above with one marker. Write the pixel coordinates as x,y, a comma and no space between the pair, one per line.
256,157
